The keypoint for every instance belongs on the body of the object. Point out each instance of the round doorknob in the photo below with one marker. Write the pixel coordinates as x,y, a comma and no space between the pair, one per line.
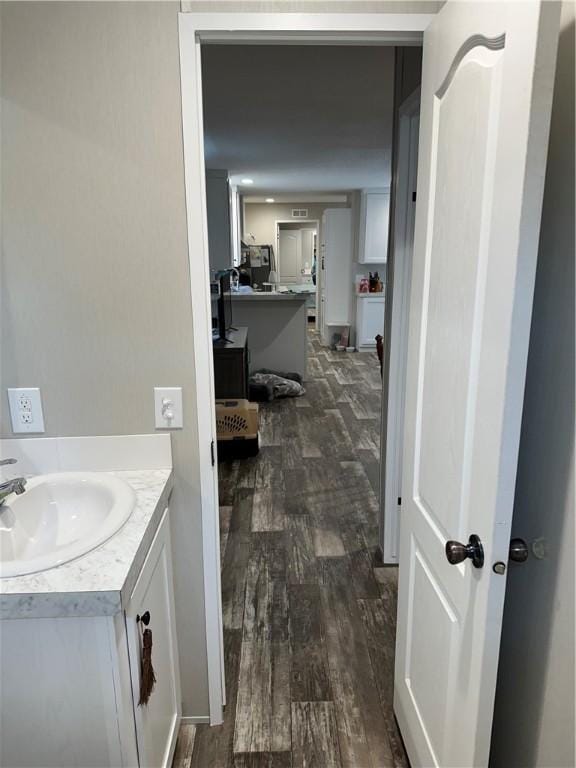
457,552
518,551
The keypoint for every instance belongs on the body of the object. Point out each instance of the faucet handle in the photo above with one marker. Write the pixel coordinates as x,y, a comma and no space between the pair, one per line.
3,462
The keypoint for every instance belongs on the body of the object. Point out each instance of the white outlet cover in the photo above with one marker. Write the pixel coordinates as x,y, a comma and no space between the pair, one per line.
168,400
26,410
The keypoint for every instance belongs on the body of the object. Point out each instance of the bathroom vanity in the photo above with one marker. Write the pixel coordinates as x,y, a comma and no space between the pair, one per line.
71,645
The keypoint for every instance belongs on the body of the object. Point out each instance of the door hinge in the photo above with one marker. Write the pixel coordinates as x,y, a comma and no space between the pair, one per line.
413,197
212,453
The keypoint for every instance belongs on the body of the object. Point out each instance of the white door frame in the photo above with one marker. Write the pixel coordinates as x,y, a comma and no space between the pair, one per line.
195,29
277,222
402,258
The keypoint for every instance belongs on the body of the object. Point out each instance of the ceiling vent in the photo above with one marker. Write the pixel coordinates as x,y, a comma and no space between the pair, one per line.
299,213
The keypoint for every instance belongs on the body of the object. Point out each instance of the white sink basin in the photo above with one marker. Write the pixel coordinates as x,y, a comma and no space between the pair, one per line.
60,517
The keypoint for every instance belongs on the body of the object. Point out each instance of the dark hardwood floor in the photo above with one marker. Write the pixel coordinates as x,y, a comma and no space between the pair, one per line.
309,622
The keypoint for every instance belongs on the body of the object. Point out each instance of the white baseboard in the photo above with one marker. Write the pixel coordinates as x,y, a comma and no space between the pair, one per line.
195,720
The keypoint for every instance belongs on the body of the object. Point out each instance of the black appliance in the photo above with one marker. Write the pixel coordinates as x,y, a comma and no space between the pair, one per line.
257,261
221,300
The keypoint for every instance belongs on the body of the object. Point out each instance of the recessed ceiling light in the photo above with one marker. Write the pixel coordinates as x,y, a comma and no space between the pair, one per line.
269,199
247,181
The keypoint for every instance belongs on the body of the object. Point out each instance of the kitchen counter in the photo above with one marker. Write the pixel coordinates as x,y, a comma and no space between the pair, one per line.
262,296
277,329
100,582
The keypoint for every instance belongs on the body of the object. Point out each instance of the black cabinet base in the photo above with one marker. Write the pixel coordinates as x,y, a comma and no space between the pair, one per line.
241,448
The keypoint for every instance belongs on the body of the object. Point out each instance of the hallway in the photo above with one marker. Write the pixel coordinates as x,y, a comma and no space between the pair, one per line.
308,619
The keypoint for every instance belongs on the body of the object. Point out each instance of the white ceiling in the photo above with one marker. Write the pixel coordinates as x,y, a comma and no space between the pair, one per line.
299,118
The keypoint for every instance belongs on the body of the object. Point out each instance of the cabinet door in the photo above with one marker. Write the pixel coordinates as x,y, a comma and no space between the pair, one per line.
370,320
374,229
158,721
230,378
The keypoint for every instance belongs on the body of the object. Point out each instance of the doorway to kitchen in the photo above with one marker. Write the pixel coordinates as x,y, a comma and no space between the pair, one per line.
342,230
486,306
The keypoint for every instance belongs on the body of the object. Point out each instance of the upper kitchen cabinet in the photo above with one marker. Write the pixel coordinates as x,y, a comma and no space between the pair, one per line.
218,205
374,216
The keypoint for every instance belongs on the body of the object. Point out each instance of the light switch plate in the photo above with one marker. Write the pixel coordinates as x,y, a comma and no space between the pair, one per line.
168,408
26,410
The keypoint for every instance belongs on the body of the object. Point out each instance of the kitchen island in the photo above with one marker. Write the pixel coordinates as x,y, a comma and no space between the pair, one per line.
277,328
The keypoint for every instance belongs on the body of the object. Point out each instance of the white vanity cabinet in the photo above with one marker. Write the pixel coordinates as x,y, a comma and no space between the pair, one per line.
369,319
374,221
153,598
70,684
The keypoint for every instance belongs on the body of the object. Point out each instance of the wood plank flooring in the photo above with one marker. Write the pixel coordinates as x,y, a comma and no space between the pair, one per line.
309,622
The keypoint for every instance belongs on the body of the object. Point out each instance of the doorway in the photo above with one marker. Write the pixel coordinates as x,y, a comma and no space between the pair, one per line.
296,249
192,129
297,254
484,51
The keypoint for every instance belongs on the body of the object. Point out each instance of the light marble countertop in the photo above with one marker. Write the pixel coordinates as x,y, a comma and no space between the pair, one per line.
99,583
263,296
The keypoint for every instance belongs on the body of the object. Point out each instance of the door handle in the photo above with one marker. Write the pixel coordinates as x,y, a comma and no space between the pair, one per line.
457,552
518,551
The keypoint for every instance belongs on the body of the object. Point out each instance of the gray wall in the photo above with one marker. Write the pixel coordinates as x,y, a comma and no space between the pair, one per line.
95,281
534,715
260,218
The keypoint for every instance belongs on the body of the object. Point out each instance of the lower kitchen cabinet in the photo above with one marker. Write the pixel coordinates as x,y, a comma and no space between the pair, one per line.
369,319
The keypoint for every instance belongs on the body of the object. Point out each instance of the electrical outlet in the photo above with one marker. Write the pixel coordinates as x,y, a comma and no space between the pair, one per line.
26,410
25,403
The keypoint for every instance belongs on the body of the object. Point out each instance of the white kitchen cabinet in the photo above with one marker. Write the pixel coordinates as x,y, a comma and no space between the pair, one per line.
374,220
369,319
336,258
70,684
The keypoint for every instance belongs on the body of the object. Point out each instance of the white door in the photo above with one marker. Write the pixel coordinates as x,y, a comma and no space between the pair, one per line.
486,93
290,256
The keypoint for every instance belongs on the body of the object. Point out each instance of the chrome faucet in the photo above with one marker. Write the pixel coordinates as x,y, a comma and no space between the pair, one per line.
16,485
